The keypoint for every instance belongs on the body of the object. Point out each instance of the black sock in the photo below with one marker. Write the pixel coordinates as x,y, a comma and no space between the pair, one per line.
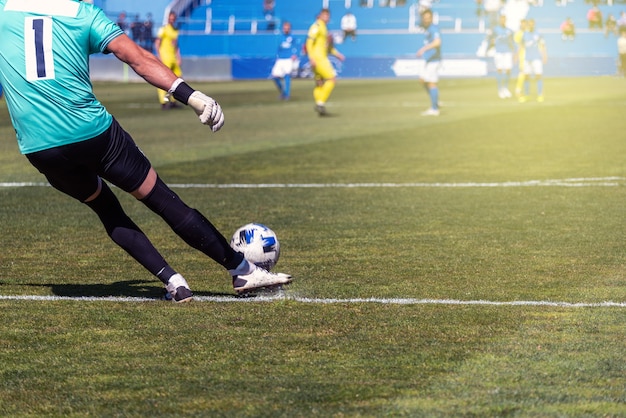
165,274
125,233
191,226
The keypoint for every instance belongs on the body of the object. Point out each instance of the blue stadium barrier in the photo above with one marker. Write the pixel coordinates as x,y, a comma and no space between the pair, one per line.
237,33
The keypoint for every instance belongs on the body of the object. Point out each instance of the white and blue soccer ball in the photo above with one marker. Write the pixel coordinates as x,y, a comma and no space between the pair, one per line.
258,243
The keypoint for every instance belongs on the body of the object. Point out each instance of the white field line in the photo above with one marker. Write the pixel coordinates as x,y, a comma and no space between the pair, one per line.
569,182
282,297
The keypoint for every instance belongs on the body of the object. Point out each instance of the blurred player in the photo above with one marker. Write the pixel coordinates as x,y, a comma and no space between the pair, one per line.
535,58
621,50
501,38
70,137
518,38
431,53
286,61
166,46
317,49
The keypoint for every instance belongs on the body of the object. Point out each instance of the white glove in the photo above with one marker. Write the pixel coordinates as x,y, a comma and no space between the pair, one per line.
208,110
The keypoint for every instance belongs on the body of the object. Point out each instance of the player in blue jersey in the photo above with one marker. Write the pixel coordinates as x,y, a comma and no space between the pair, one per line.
431,53
535,56
286,61
68,135
501,38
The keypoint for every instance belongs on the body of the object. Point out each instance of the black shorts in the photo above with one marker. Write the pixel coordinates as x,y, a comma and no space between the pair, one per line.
75,168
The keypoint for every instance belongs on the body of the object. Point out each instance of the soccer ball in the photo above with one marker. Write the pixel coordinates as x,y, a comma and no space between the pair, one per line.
258,243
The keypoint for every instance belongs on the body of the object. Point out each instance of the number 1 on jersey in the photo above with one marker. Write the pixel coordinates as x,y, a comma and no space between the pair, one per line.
38,48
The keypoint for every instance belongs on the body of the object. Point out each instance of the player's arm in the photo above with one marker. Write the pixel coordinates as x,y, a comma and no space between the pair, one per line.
144,63
311,40
179,60
310,45
337,54
436,43
295,50
148,67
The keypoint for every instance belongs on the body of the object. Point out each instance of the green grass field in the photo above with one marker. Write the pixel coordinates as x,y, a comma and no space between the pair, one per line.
467,265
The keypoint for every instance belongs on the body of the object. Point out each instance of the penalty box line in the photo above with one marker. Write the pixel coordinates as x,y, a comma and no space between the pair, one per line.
323,301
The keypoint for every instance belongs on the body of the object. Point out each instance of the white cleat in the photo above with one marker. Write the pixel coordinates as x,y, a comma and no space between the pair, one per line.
178,289
259,279
431,112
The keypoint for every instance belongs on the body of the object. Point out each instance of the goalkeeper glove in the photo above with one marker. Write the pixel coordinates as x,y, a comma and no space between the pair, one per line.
208,110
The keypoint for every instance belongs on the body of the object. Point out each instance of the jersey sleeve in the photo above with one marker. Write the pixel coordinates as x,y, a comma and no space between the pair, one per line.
103,31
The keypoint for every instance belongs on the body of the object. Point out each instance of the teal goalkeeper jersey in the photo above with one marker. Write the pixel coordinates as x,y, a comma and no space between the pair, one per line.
44,69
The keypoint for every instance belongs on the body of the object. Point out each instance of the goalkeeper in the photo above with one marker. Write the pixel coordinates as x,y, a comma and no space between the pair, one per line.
68,135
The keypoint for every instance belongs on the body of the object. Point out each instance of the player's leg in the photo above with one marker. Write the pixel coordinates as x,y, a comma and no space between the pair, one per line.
198,232
538,70
286,70
279,85
527,86
430,78
521,76
426,87
327,89
519,83
525,90
125,233
124,165
499,83
287,89
325,72
507,66
130,170
330,75
432,90
66,172
317,87
317,93
189,224
277,76
506,81
434,95
497,60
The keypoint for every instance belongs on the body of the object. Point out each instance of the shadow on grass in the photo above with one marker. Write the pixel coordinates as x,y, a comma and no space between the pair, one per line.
127,288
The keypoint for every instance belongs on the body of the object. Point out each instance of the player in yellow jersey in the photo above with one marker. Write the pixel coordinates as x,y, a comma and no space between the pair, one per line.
518,37
166,46
318,49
